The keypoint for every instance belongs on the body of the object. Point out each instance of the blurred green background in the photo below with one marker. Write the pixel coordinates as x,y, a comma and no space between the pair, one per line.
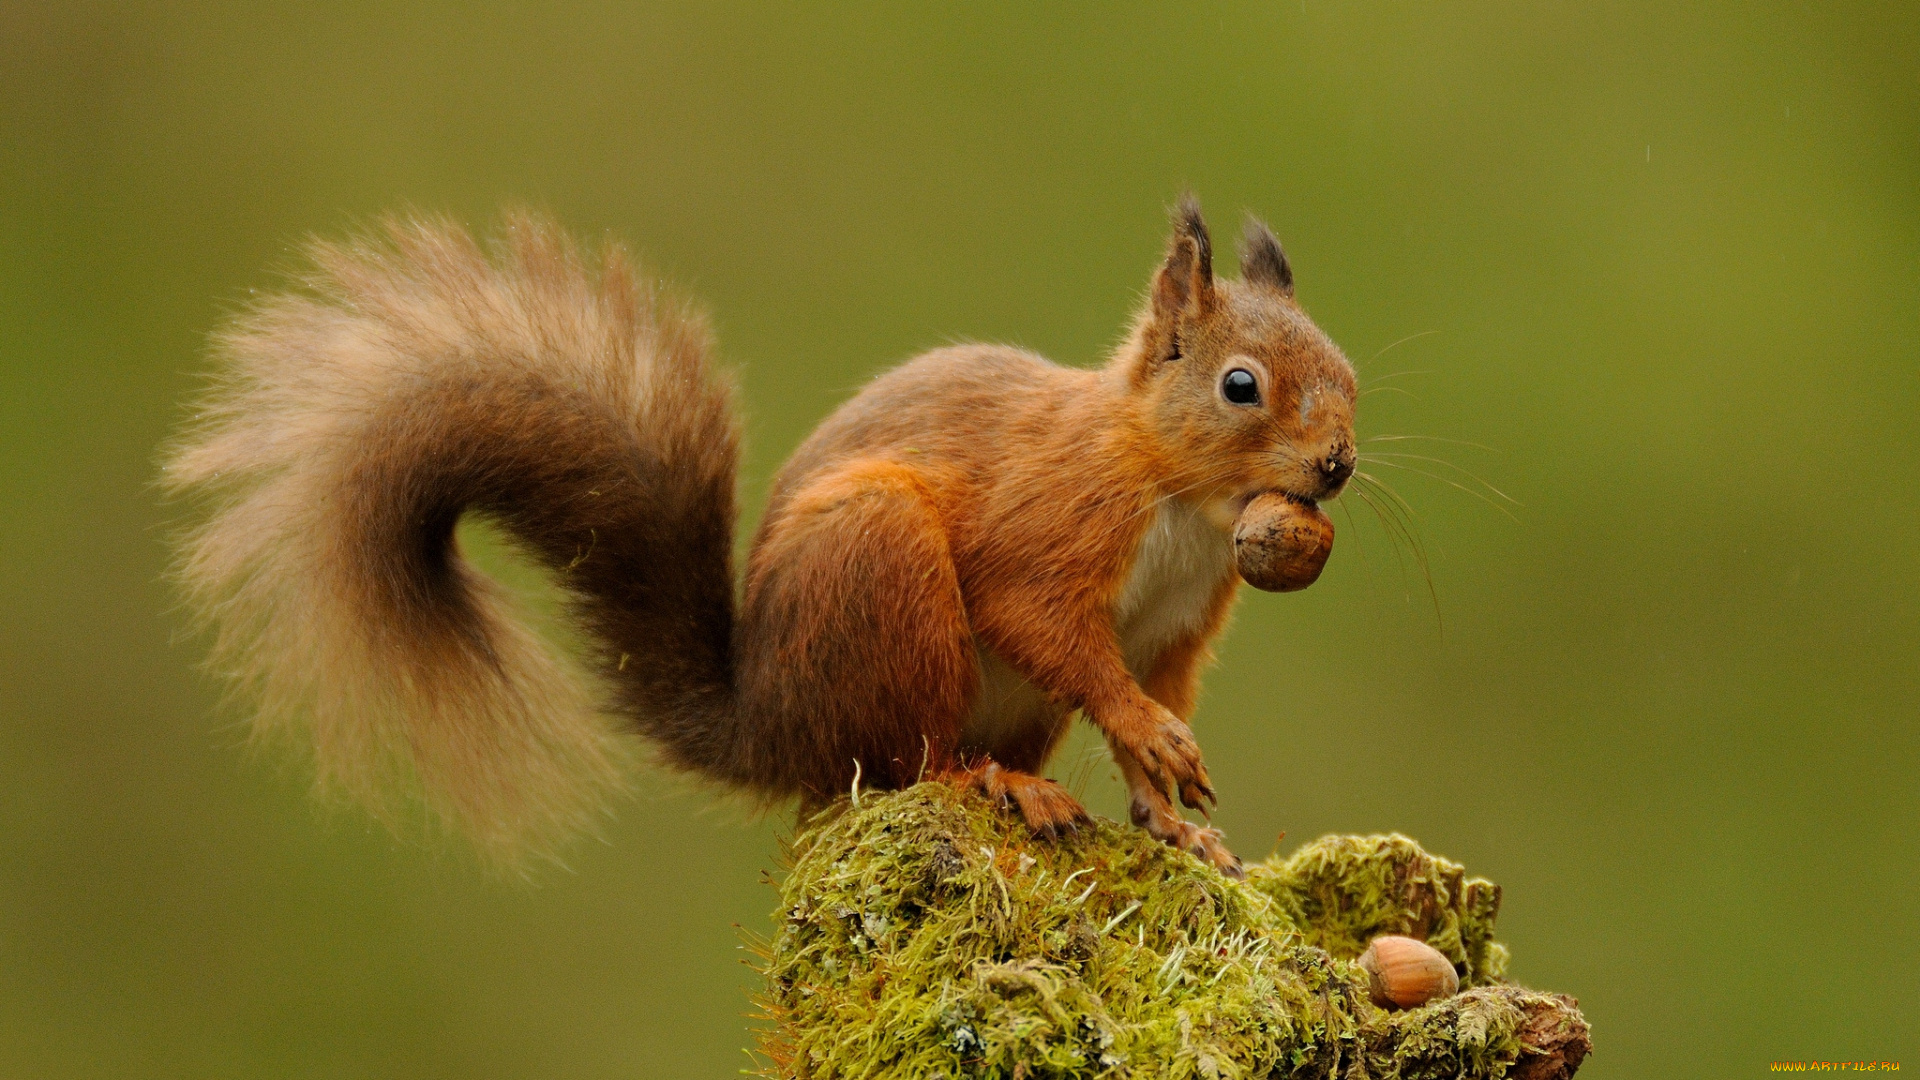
1664,259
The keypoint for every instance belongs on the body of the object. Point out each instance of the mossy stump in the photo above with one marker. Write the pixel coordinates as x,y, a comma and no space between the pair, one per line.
926,934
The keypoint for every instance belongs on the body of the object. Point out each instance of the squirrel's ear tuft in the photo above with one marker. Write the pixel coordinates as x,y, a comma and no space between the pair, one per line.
1184,283
1261,260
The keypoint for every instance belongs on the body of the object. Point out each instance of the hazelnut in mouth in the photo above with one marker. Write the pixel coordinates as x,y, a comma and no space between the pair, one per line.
1281,542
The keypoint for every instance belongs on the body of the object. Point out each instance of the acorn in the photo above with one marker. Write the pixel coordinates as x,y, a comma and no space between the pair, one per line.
1404,972
1281,543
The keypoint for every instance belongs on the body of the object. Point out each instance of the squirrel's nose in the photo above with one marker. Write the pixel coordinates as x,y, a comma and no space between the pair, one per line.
1335,469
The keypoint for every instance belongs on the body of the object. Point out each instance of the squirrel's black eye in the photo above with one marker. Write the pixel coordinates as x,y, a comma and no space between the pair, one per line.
1240,387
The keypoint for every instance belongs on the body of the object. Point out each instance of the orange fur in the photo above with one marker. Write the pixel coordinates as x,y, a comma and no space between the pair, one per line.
975,547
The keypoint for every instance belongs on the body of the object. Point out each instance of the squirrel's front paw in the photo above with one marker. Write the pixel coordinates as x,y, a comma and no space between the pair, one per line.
1205,844
1164,746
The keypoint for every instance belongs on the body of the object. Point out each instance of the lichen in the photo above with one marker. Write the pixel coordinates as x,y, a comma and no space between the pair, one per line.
927,934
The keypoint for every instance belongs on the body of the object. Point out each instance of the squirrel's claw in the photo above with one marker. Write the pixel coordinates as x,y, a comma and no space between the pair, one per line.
1152,812
1207,845
1198,795
1170,758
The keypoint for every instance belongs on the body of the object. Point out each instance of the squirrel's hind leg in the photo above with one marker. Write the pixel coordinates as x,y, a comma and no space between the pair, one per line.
857,651
854,654
1046,807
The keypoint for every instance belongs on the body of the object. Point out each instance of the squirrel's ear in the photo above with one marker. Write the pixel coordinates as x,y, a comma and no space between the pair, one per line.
1184,283
1261,260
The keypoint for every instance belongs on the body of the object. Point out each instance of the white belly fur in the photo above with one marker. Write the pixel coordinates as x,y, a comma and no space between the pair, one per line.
1182,559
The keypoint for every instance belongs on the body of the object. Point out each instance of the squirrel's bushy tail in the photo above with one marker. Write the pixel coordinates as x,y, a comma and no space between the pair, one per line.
416,378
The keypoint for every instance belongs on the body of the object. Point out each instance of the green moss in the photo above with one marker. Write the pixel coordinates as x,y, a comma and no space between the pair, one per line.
1344,891
927,934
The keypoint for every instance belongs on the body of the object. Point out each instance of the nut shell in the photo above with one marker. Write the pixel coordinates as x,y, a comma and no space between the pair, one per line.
1281,545
1403,972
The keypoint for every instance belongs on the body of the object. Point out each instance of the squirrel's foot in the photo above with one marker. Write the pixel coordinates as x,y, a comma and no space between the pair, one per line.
1203,842
1044,805
1163,746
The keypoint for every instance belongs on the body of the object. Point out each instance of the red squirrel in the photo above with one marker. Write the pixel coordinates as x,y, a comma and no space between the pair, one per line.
974,548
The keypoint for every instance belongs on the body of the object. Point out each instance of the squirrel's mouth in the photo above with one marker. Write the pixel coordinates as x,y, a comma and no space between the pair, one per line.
1293,497
1331,485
